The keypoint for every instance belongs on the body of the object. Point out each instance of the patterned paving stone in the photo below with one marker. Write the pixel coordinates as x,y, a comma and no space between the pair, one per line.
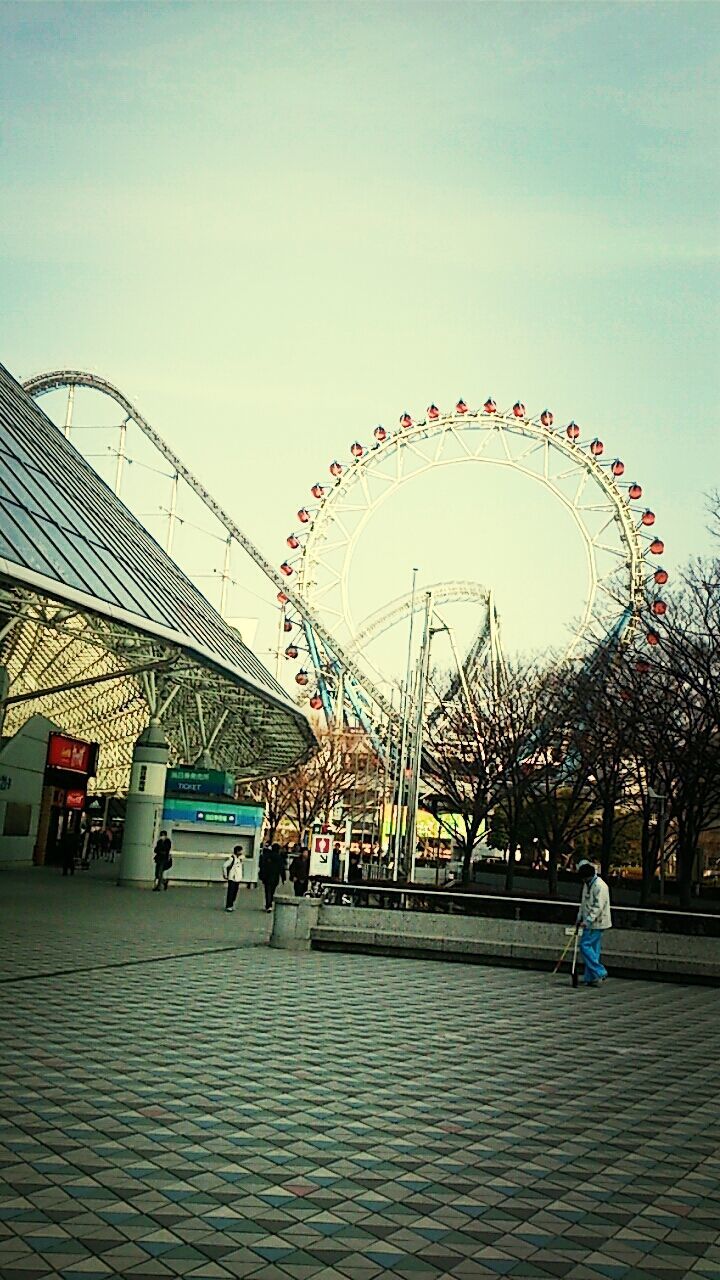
190,1103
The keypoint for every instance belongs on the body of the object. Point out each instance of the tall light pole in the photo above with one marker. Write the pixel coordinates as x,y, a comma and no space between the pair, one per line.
404,733
422,683
655,795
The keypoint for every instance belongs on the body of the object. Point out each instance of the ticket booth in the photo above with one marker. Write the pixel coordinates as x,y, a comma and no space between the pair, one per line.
204,831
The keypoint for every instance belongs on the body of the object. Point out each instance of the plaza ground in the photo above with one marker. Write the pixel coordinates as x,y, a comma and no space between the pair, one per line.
180,1100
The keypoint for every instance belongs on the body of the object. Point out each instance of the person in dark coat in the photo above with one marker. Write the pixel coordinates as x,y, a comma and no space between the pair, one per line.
300,872
163,862
355,871
271,870
68,849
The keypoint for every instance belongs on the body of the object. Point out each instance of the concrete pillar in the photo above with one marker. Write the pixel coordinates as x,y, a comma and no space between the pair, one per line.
145,801
293,920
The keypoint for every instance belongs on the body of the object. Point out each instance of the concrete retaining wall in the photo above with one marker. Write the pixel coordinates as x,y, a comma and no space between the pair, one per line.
483,939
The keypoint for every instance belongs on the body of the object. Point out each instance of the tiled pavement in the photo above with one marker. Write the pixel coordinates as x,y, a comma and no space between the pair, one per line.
263,1114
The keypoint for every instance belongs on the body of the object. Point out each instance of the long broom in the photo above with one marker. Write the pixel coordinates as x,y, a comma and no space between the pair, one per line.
574,976
568,945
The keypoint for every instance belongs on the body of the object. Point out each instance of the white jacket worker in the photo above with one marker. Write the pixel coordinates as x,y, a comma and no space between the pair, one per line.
233,873
594,918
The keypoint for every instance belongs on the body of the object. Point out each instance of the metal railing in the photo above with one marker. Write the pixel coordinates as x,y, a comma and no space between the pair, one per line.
545,911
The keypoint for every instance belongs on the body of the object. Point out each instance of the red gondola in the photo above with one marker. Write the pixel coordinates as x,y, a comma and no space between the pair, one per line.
657,546
405,420
596,447
282,598
546,418
652,637
642,667
357,450
659,607
380,434
519,409
316,702
490,405
287,569
648,518
303,515
293,541
617,467
287,625
572,430
291,651
317,490
433,412
461,407
335,468
661,577
635,491
301,677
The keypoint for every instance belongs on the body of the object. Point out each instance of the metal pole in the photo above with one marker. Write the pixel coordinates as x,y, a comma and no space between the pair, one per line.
423,678
404,734
120,456
281,636
69,410
171,513
225,578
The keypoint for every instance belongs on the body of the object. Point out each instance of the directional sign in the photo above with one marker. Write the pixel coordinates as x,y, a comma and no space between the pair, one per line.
321,856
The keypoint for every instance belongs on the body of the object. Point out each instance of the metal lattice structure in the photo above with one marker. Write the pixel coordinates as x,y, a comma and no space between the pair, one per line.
70,379
100,629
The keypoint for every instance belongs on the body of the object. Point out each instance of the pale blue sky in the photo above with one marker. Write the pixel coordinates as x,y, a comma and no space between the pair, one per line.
274,225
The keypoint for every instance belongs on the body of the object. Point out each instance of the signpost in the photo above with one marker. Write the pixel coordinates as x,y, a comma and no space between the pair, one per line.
321,847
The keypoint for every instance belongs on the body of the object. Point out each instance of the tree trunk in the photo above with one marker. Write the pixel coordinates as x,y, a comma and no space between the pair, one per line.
607,832
467,859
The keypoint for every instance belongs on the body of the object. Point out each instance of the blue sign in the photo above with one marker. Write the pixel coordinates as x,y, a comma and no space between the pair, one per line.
246,817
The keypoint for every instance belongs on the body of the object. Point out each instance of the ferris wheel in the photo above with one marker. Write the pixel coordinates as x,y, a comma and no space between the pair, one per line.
621,548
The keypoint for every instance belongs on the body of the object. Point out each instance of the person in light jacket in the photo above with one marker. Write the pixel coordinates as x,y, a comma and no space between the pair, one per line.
232,872
593,918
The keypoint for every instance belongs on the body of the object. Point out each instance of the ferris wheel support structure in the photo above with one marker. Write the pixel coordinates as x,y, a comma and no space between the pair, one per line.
615,535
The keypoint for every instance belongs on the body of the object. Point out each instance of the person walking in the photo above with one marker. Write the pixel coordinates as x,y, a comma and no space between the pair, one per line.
163,861
271,870
300,872
593,919
232,872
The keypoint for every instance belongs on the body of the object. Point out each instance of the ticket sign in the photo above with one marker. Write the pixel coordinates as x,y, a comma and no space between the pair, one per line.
321,856
68,753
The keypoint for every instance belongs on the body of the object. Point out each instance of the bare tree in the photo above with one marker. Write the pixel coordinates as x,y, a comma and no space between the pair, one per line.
276,795
325,781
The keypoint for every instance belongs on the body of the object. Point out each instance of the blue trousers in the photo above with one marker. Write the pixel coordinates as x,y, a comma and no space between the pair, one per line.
590,946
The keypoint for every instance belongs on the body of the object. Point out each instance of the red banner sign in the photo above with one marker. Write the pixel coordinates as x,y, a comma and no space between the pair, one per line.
75,800
68,753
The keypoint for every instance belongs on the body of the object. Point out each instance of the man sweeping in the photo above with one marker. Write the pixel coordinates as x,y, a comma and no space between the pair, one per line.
593,919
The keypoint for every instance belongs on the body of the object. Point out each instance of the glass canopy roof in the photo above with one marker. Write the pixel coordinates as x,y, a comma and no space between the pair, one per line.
87,591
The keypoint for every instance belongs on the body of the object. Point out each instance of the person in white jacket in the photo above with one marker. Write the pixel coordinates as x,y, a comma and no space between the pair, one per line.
593,918
232,872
